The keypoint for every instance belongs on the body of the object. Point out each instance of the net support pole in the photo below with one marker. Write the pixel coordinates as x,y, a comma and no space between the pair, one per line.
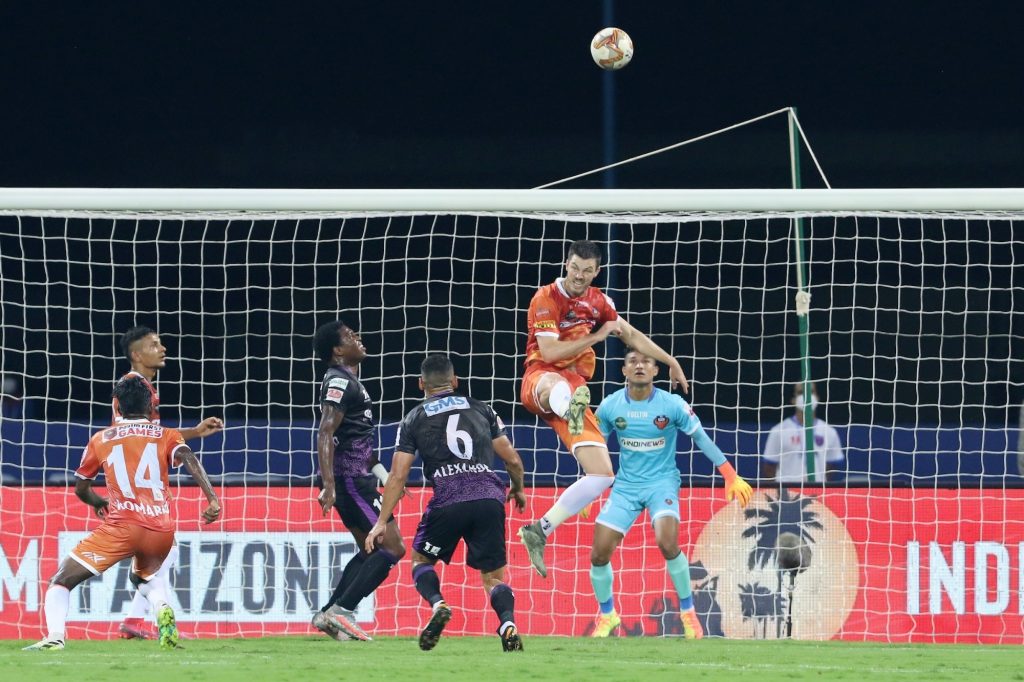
803,300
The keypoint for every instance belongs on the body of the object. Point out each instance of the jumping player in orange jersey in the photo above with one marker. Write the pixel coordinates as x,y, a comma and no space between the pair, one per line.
134,455
142,347
566,319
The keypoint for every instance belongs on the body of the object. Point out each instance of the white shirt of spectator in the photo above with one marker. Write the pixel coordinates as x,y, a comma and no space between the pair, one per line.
785,448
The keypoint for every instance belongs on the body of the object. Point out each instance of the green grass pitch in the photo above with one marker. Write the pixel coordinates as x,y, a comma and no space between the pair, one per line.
480,659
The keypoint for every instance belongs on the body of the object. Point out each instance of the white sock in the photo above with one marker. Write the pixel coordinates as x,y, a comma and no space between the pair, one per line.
140,605
559,398
155,591
576,497
55,606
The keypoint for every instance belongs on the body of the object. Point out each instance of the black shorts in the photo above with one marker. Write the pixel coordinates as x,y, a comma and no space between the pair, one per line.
481,523
358,502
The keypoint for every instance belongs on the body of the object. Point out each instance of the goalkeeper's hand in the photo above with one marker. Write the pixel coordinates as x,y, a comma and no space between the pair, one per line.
739,489
735,486
585,512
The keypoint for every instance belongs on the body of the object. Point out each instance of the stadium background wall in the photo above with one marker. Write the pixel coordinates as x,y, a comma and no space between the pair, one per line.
887,564
258,452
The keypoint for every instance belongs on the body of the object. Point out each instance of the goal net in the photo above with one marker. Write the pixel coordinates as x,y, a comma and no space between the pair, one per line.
912,340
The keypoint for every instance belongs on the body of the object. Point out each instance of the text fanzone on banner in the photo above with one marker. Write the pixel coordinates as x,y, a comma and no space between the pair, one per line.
889,565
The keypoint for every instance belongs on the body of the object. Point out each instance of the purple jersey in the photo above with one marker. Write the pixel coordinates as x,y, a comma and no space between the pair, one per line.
453,436
353,440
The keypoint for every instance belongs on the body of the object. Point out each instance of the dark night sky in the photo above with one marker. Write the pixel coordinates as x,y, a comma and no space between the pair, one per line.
504,94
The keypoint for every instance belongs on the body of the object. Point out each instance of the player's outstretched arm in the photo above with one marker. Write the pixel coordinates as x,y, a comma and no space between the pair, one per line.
401,463
514,466
207,427
330,420
185,456
84,491
638,341
735,486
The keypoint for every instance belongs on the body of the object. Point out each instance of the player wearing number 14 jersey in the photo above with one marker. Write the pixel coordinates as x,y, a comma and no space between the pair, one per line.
457,438
134,456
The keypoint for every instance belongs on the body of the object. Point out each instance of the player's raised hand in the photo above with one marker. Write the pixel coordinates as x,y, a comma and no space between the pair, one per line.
518,497
326,499
375,533
211,513
678,377
209,426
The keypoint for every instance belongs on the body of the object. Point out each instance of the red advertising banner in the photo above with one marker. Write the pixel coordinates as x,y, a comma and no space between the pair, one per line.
877,564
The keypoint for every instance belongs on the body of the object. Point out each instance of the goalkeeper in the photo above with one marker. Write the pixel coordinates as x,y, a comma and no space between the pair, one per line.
645,420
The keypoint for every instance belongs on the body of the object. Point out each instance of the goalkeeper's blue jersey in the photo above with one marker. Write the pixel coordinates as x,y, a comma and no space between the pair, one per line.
646,432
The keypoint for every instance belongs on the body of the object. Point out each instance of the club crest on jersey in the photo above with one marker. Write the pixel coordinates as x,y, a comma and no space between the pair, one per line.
661,421
620,423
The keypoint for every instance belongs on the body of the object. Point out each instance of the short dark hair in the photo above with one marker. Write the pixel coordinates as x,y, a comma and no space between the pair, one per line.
327,336
585,249
437,370
133,396
131,336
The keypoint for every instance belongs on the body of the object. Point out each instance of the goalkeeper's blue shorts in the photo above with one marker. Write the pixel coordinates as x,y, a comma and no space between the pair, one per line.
627,500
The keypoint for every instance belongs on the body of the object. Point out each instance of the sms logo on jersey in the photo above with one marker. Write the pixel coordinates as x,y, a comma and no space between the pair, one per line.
661,421
620,423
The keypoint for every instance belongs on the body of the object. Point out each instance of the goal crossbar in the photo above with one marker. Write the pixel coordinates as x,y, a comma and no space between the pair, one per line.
22,200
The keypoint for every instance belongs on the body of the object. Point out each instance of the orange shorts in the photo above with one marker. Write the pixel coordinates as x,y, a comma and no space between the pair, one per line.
528,395
112,542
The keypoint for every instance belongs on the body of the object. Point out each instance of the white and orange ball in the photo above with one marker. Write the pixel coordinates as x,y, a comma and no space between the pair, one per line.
611,48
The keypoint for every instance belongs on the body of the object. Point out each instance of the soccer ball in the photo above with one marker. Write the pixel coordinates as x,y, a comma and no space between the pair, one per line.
611,48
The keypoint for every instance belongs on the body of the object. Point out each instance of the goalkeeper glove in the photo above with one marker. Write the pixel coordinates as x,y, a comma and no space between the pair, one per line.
735,486
585,512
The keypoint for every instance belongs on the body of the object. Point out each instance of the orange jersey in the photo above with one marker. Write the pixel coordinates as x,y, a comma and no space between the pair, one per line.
135,457
554,313
154,414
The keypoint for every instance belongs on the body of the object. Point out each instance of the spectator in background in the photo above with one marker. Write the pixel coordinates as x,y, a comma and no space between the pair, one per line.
784,456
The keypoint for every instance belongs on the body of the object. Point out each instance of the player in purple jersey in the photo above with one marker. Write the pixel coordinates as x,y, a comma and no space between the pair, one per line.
349,471
457,438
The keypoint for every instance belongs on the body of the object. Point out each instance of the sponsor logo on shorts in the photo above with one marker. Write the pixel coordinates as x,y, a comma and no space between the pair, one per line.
661,421
642,444
93,557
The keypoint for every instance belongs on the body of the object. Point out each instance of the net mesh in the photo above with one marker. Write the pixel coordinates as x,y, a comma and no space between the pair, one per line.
914,344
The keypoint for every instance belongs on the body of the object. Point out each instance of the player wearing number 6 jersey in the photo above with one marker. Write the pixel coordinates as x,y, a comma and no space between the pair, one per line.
457,438
134,456
645,421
